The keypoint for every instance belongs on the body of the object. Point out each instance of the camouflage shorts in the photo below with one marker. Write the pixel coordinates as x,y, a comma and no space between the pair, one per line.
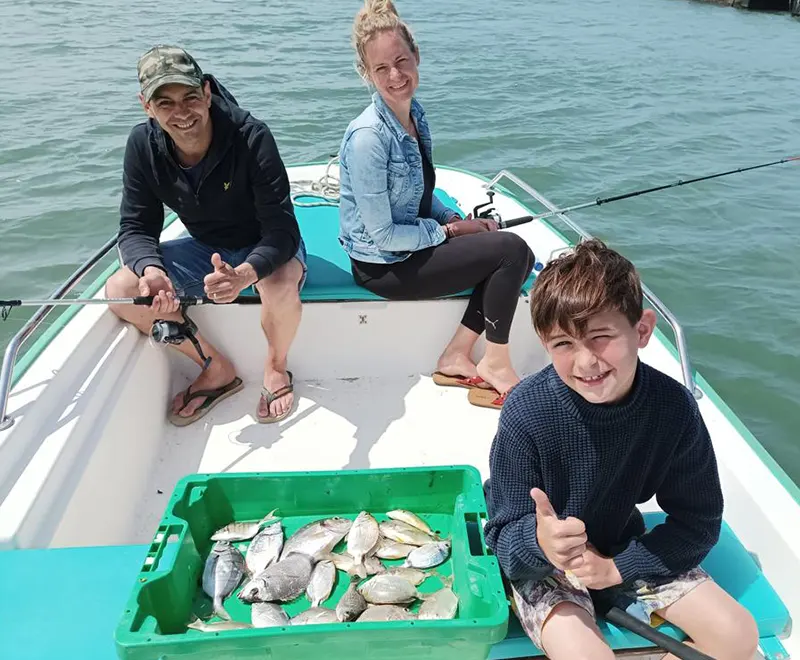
534,600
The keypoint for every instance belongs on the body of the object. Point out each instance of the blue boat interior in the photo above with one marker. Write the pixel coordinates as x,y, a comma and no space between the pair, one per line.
66,602
329,278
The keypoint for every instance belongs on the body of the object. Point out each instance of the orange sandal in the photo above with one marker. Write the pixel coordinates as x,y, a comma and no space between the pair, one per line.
470,382
487,398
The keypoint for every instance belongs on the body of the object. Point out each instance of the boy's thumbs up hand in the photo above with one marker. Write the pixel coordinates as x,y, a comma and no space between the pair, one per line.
562,541
543,507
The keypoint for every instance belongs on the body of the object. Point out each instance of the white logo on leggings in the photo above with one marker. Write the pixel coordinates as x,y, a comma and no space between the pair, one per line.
494,323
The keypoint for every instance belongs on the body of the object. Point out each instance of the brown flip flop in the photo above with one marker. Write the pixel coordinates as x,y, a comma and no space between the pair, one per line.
274,396
470,382
213,397
487,398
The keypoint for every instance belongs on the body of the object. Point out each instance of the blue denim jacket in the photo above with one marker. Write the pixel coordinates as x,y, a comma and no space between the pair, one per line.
381,185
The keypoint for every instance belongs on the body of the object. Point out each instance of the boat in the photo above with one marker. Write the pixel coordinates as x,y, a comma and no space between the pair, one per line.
88,459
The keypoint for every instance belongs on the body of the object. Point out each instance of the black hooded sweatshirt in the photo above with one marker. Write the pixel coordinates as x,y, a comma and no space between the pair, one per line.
242,198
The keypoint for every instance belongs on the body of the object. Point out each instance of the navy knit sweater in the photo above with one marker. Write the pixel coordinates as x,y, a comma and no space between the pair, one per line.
596,462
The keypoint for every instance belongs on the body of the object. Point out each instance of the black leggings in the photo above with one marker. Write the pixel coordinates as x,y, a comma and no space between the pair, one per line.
495,263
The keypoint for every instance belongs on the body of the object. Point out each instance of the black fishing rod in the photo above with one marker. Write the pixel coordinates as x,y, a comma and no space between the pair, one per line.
185,301
677,648
138,300
610,606
6,305
513,222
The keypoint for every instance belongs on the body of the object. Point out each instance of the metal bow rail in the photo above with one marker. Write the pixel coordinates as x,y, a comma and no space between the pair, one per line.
10,356
660,307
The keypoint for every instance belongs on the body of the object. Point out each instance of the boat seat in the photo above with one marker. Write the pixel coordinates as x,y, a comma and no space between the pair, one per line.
728,563
329,278
65,602
94,584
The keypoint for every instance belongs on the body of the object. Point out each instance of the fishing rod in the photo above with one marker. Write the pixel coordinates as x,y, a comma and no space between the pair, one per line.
610,605
513,222
185,301
162,331
138,300
677,648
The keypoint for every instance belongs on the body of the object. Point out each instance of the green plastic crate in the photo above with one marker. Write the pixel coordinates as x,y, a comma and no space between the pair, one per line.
168,588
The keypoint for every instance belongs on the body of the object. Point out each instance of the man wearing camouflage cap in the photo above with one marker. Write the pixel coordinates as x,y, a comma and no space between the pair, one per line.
219,169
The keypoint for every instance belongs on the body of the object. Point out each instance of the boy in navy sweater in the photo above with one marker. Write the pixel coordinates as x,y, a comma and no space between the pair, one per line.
578,445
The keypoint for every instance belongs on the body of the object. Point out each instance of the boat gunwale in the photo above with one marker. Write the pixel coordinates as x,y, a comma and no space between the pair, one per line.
24,362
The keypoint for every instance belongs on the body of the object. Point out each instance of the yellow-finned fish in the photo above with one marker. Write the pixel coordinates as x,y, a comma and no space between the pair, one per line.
410,519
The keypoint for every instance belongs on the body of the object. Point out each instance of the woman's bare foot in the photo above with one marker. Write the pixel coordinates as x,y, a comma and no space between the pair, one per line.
456,359
219,373
452,363
500,376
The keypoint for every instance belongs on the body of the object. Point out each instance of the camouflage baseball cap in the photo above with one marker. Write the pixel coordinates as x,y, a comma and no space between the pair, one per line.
162,65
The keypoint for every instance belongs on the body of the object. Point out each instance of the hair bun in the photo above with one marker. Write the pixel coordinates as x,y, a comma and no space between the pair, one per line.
380,7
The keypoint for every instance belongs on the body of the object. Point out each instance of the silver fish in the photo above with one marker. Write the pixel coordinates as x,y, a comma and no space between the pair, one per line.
216,626
388,549
346,563
441,604
241,531
373,565
264,549
428,555
396,530
410,519
321,583
282,581
315,615
413,575
316,537
386,613
388,589
266,615
351,604
342,561
362,539
222,573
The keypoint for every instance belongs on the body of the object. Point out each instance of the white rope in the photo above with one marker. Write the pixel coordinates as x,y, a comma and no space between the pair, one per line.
325,188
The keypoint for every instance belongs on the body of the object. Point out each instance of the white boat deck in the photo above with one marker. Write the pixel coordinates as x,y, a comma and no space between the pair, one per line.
92,460
339,424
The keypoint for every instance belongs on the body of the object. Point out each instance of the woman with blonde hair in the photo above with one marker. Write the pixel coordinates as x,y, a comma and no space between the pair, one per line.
403,242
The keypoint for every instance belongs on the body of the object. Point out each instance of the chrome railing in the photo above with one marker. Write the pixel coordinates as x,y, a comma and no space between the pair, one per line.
660,307
10,357
12,350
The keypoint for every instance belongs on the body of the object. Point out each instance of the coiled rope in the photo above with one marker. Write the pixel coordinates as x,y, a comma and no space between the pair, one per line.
326,188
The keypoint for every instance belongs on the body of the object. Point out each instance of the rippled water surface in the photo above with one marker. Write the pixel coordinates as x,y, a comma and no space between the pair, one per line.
579,98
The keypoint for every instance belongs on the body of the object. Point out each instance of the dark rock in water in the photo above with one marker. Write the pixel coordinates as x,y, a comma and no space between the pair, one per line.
760,5
764,5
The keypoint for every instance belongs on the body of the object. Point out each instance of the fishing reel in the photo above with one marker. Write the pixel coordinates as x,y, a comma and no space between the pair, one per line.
175,333
489,211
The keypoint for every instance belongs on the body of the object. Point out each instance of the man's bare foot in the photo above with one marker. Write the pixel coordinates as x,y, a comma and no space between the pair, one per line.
502,378
456,364
218,374
274,380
